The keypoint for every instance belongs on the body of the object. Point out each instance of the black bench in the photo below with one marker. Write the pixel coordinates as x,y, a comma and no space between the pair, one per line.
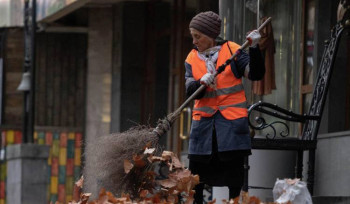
307,141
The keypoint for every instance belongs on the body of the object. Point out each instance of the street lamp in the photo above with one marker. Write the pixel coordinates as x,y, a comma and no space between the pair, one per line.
27,84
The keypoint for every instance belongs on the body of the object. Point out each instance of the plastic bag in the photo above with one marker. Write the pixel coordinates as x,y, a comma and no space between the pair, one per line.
291,190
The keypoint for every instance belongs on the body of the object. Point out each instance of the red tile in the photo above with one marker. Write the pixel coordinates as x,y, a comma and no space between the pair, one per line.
78,139
70,167
61,193
48,138
54,167
3,138
63,139
18,137
2,189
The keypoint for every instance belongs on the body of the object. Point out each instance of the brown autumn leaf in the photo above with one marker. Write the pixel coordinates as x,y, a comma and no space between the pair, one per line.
155,159
84,198
254,200
127,166
80,182
189,185
156,199
168,183
102,198
172,199
111,197
167,155
143,193
176,162
189,199
195,179
127,196
212,202
138,161
180,174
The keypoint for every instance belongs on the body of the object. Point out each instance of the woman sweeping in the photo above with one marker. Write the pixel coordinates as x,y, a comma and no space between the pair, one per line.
219,138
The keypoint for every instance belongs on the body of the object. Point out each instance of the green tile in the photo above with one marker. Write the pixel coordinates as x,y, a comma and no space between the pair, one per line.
53,198
69,185
77,173
55,148
62,174
70,149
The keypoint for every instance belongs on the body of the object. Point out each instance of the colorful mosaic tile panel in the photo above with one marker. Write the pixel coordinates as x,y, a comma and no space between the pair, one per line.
64,162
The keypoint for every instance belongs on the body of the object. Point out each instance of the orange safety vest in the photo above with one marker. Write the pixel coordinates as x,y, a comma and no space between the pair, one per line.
228,97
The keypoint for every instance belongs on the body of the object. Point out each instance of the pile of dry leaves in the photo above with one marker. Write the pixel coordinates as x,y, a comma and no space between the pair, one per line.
166,182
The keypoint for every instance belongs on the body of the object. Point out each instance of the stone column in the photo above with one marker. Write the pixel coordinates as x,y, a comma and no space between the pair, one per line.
98,104
27,173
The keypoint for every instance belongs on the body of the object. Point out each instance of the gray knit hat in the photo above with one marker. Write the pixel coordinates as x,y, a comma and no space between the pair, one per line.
208,23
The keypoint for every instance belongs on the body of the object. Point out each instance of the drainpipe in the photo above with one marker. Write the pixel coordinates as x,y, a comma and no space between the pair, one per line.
32,73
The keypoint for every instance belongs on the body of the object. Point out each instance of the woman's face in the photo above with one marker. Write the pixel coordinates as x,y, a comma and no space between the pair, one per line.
201,41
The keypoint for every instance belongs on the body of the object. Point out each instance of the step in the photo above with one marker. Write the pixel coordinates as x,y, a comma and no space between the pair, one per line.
331,199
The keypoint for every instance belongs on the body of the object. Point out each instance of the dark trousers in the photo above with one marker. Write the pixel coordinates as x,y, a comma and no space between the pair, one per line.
214,172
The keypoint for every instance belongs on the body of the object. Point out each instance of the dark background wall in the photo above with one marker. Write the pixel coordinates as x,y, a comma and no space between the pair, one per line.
337,114
141,73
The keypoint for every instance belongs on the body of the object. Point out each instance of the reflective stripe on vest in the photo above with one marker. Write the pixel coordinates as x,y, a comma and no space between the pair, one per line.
224,91
228,97
211,111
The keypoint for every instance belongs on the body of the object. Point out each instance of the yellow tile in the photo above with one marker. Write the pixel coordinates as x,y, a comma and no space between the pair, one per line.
77,157
49,160
10,136
35,135
41,141
55,148
69,198
71,136
62,159
54,184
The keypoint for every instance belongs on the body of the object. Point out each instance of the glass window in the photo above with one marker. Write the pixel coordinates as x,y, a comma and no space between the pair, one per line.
241,16
309,64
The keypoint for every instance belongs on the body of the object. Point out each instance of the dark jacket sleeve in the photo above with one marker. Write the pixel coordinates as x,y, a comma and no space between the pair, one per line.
191,84
255,61
257,64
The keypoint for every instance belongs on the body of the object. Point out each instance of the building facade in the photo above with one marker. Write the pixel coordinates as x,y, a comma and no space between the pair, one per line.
104,66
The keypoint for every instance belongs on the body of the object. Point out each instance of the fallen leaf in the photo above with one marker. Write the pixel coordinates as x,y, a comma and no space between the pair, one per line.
155,158
213,201
254,200
84,198
80,182
149,150
138,161
176,162
111,197
167,155
172,199
127,166
167,183
143,193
